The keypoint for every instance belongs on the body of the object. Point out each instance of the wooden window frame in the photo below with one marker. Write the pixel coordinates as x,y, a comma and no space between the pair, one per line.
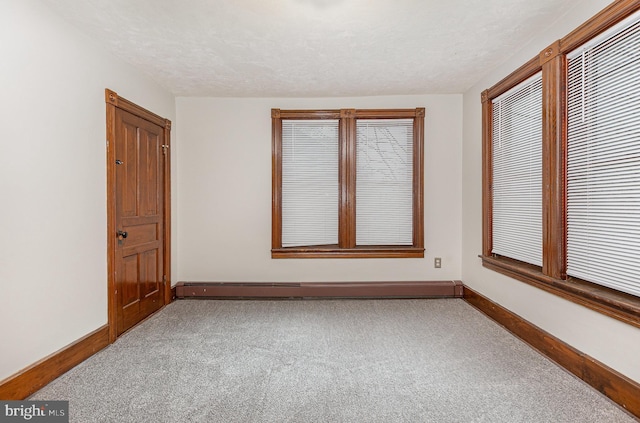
346,247
552,276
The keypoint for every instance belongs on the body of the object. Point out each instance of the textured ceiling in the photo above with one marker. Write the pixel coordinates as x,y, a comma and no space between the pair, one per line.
312,48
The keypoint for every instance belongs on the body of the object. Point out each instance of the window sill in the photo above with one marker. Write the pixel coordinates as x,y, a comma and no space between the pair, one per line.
358,252
616,304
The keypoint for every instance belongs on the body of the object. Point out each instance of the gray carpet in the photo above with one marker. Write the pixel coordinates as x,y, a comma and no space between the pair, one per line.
324,361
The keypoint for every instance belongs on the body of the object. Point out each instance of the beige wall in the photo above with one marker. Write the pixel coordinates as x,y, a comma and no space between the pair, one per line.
53,273
224,186
608,340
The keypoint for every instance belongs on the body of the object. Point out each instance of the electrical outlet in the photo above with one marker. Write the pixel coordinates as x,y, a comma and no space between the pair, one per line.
437,262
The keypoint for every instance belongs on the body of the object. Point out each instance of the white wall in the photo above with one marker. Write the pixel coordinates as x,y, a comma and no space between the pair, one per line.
610,341
224,181
53,273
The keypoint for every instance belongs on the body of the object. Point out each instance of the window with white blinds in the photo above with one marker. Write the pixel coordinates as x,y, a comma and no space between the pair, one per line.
347,183
603,153
309,182
517,172
589,120
384,182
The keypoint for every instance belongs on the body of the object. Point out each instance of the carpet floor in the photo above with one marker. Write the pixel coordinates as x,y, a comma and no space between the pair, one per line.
324,361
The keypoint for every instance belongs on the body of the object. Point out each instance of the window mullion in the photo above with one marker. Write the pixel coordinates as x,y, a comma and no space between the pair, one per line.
554,137
347,175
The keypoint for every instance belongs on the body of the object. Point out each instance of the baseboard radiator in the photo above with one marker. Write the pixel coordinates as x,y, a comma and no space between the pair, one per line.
301,290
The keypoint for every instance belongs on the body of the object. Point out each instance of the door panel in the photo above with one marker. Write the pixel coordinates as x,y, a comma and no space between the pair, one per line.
139,219
127,172
149,161
129,291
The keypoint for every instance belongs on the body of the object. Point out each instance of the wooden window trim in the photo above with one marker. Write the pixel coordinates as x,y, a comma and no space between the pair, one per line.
552,277
346,247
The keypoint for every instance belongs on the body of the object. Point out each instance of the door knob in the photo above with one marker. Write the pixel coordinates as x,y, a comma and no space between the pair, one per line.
122,235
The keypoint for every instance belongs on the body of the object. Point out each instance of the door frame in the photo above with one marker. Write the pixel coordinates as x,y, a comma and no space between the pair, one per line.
114,102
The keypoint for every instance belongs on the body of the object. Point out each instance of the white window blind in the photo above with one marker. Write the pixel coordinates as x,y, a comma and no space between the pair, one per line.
309,182
517,172
603,169
384,182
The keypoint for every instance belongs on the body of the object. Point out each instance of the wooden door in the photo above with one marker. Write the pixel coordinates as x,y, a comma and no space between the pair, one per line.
139,154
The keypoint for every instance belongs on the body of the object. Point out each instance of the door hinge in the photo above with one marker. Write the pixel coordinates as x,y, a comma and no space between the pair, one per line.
164,148
164,279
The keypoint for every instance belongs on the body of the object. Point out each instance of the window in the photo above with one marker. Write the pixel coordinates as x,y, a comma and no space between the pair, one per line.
347,183
579,237
309,182
384,182
603,166
517,172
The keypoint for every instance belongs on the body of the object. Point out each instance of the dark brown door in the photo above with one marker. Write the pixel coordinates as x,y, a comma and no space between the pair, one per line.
139,205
